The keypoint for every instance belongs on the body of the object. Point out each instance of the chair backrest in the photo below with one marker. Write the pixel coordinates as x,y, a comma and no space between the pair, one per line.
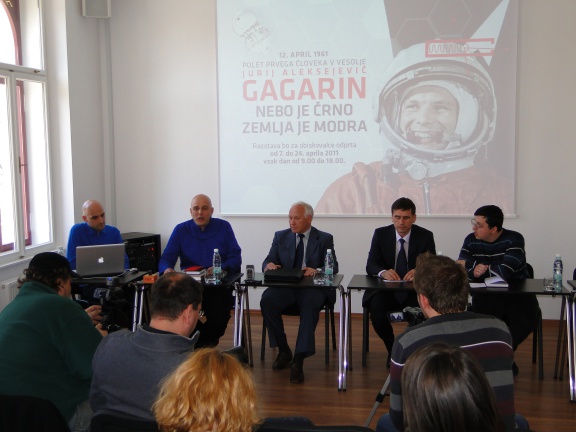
530,270
107,421
29,413
273,427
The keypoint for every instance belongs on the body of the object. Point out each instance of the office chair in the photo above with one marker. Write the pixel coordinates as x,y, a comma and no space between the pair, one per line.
294,311
107,421
29,413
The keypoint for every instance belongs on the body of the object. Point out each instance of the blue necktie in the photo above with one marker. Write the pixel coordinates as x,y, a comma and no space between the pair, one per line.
401,269
299,253
401,261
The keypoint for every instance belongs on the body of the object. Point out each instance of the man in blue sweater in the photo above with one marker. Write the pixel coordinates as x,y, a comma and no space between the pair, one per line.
93,231
193,242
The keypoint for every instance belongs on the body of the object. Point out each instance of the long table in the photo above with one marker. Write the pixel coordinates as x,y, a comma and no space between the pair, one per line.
519,287
242,304
571,333
140,302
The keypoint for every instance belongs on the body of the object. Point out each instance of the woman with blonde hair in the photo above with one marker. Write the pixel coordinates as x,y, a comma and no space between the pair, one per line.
210,392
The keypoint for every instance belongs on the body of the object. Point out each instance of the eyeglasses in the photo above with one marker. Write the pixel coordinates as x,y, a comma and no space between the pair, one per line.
200,313
475,223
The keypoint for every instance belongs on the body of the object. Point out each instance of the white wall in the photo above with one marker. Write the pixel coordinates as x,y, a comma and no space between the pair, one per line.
164,131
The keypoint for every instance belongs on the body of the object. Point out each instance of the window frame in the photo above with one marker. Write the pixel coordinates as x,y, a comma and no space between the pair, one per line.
16,77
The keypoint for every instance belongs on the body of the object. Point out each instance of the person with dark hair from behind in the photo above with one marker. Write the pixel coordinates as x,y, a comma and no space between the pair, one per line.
442,289
491,248
212,391
447,390
47,341
400,239
129,366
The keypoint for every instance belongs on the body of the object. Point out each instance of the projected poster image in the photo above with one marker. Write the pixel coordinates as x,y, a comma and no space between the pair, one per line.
350,105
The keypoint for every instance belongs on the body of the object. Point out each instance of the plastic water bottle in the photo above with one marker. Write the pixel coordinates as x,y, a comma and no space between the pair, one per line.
329,267
217,267
558,269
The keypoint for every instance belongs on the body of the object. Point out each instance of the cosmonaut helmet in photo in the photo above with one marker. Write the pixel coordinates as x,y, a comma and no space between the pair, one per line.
466,86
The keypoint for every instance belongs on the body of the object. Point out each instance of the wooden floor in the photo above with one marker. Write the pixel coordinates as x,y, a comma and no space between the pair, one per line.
545,404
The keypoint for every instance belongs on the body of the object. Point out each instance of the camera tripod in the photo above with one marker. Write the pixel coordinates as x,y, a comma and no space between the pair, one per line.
413,316
379,398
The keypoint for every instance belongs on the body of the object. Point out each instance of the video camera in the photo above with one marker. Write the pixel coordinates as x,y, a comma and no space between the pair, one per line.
112,301
412,315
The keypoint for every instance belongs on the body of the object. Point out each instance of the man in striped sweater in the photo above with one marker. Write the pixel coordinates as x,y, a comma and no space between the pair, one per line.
442,288
491,248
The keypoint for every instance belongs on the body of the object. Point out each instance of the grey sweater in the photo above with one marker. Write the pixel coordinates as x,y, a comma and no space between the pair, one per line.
129,366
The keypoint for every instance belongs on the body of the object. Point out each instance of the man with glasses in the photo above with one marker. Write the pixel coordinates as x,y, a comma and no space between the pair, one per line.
193,243
493,249
128,366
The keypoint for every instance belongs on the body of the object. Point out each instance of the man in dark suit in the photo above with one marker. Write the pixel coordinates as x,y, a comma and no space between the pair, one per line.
301,246
392,256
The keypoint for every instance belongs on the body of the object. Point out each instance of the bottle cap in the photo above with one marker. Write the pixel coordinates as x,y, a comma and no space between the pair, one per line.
215,250
328,250
557,255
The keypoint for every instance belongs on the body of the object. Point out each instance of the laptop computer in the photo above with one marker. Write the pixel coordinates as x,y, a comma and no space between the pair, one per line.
100,260
282,274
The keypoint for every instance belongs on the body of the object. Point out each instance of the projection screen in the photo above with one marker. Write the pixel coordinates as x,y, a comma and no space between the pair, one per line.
349,105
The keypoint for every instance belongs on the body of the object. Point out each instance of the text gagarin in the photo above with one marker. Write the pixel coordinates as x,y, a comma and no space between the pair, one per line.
290,89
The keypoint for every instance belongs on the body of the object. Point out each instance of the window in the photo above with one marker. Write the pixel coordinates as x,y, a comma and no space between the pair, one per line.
25,198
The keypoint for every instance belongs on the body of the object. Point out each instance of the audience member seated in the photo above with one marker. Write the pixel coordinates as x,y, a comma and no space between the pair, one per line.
128,366
301,247
47,341
193,243
210,391
213,391
392,256
442,290
446,390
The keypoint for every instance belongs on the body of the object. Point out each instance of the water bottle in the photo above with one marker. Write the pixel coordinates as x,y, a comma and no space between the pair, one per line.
558,269
61,251
329,267
217,267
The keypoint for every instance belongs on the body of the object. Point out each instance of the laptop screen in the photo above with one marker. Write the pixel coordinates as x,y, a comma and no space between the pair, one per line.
100,260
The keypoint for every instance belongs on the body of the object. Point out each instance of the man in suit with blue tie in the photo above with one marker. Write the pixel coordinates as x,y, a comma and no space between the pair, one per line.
304,247
393,256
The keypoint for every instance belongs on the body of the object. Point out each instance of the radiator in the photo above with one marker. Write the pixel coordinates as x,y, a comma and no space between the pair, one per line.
8,290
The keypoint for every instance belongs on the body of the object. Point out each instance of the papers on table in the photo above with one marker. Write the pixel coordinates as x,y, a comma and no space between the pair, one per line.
494,281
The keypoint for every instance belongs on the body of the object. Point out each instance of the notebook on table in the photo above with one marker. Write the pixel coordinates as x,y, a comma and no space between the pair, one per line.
283,275
100,260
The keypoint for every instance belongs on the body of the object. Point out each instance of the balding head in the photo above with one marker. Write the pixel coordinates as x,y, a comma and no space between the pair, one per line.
94,215
201,210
